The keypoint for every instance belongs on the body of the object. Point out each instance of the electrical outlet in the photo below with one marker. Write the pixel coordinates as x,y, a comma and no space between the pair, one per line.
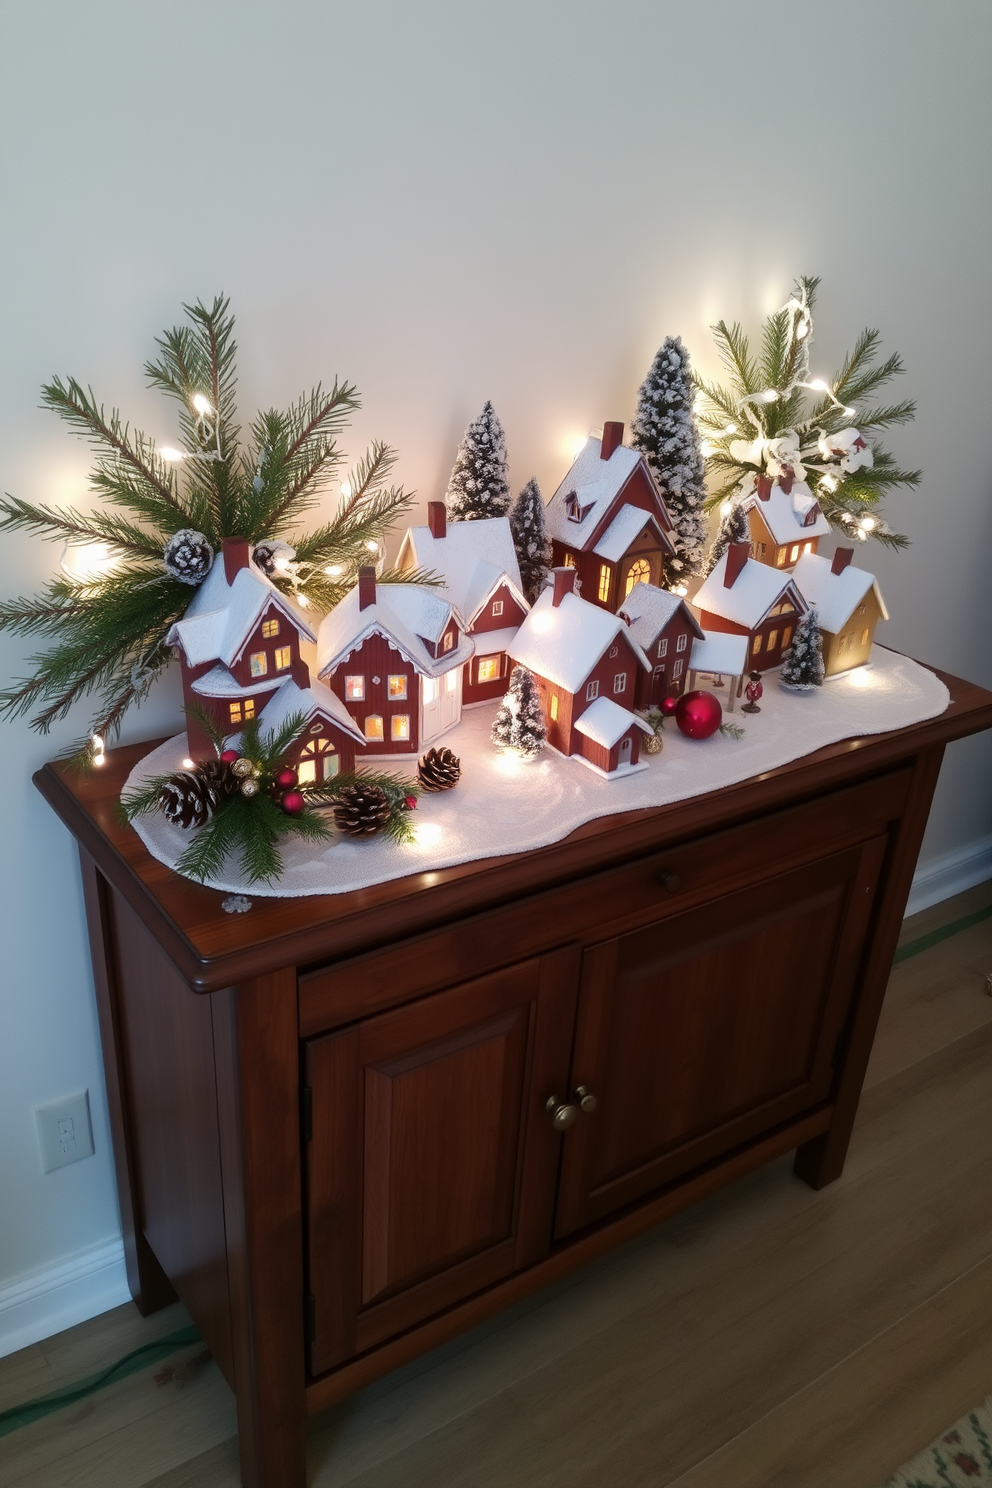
65,1132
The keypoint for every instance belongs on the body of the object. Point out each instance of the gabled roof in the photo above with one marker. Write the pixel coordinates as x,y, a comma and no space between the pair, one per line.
649,609
221,616
473,558
564,644
595,483
757,589
405,614
309,701
626,527
836,596
783,515
219,682
605,722
720,651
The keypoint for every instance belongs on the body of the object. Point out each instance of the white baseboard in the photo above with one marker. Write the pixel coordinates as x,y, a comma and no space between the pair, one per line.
950,874
46,1302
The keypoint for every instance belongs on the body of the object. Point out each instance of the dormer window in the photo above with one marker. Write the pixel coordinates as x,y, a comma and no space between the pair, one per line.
574,510
811,515
449,640
270,628
497,607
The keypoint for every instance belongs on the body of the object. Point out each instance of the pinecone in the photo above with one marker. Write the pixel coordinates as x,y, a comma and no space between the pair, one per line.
361,810
188,556
188,799
220,775
265,554
439,770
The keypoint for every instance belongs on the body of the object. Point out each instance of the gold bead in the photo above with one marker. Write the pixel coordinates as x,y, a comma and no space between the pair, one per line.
242,768
249,786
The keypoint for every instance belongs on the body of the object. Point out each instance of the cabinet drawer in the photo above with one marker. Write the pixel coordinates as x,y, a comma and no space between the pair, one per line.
660,884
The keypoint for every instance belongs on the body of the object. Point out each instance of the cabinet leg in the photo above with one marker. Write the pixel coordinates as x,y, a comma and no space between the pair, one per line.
820,1161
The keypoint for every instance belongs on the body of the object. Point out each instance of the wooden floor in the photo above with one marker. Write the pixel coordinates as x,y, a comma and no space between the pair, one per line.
770,1338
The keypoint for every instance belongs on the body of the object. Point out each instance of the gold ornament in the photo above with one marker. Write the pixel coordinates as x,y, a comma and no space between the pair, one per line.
242,768
249,786
653,744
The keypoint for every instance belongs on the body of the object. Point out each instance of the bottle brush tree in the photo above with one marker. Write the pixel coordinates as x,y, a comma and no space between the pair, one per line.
530,539
733,528
802,667
664,430
478,485
519,722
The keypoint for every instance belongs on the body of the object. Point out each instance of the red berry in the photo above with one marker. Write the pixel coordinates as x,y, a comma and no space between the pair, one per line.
229,756
287,779
698,714
668,706
293,803
410,802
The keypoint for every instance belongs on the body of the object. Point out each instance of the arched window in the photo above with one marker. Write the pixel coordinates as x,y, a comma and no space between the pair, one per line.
638,572
319,760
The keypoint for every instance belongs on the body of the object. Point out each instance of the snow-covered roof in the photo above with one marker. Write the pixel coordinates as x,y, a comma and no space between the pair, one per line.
650,609
757,589
836,596
220,683
719,651
595,483
783,515
309,701
564,644
473,558
605,722
221,616
488,642
626,527
406,614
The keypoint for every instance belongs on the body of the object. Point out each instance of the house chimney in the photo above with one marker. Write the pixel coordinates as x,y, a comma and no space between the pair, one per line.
564,584
437,519
612,440
764,485
236,555
737,556
366,588
841,559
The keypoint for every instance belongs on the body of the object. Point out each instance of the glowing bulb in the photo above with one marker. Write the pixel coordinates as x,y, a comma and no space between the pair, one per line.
97,742
173,456
769,395
281,565
346,490
189,764
830,483
99,759
730,429
87,561
372,545
818,385
680,590
860,677
303,602
802,330
202,405
867,524
726,508
706,449
851,412
333,570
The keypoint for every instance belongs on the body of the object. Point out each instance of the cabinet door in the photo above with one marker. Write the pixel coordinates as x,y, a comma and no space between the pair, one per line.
701,1032
432,1164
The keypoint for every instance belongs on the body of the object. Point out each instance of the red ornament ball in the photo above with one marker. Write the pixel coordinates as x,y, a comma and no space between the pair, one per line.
669,705
698,714
292,802
287,779
229,756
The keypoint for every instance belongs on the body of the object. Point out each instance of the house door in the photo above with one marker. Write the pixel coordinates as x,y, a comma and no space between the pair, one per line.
430,708
624,757
658,684
319,760
451,697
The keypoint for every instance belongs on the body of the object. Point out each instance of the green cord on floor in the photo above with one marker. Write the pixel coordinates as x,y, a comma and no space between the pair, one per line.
914,947
149,1353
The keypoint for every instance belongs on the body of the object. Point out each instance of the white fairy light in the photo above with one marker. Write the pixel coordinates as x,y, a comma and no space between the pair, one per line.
333,570
346,490
427,833
770,395
680,590
730,429
173,456
851,412
99,756
202,405
372,545
303,602
189,764
868,524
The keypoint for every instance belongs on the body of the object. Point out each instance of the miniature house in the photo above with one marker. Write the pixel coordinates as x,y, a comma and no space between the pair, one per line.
394,655
326,744
720,658
581,657
848,604
745,597
608,520
785,522
238,642
665,628
478,563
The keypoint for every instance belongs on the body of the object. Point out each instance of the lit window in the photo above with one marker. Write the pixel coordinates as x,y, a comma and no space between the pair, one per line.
864,636
249,708
677,670
807,547
861,609
786,636
795,553
605,575
399,726
760,549
451,680
284,657
449,640
270,628
772,639
568,561
554,706
639,571
592,691
235,712
780,558
497,607
332,765
429,689
306,771
354,689
663,647
397,686
619,683
259,663
373,726
682,642
756,645
488,669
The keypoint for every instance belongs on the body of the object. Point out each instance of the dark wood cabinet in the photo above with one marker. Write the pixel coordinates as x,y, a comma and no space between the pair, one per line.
346,1128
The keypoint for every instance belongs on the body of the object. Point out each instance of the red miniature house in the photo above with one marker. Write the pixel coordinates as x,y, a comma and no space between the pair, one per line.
749,598
478,563
665,628
238,642
785,522
608,520
326,744
394,654
580,655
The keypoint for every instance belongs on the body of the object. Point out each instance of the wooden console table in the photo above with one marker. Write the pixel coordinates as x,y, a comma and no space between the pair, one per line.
349,1127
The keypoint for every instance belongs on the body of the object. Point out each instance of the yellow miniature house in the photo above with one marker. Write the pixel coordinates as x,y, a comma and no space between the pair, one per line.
848,603
784,523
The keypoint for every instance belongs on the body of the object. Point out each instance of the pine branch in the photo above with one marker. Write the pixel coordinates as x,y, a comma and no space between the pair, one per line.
142,799
311,451
64,524
774,348
735,353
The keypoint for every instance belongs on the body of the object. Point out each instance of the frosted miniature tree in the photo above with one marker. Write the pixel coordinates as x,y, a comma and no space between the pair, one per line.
664,430
519,721
733,528
478,486
802,668
530,539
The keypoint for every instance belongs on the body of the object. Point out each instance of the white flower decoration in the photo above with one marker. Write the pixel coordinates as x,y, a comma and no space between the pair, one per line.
848,447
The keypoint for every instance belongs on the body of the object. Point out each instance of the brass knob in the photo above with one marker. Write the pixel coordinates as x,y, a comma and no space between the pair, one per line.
587,1101
670,881
563,1115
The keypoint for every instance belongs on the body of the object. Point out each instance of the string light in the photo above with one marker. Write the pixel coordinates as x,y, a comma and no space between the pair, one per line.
346,490
84,562
334,570
770,395
172,456
202,405
868,524
99,755
372,545
730,429
189,764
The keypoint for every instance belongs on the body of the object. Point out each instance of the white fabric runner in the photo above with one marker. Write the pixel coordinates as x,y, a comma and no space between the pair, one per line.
503,806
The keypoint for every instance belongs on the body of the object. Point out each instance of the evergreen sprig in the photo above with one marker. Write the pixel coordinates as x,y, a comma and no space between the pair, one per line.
768,397
109,630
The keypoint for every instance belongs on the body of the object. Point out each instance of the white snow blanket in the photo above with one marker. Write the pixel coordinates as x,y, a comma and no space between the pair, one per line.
502,805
